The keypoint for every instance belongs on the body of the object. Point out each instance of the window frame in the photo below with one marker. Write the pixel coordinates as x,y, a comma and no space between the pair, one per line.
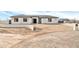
24,19
49,20
16,20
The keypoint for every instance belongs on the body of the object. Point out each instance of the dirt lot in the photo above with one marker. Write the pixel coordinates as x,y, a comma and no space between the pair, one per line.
46,36
52,40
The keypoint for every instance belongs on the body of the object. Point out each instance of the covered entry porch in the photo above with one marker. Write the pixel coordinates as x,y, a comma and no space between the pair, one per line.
36,20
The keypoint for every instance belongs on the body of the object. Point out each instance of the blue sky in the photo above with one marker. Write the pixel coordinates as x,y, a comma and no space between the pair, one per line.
39,5
61,8
61,14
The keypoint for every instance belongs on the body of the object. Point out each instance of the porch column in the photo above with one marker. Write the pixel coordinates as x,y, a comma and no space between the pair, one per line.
37,20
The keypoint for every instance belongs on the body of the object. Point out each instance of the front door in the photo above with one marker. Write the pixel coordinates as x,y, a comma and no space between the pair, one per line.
9,21
34,21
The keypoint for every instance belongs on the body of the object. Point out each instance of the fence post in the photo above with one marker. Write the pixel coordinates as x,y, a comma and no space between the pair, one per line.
75,27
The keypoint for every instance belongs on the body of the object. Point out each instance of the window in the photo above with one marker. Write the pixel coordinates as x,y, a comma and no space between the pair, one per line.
16,20
49,20
24,20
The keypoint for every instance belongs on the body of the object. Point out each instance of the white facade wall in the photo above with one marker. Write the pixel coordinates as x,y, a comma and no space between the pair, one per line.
30,21
55,20
20,21
45,20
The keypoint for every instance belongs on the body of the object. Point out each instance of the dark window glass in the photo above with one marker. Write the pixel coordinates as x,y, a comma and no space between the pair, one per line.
24,20
49,20
16,20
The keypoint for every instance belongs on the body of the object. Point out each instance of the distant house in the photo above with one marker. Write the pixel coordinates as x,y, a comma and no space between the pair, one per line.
33,19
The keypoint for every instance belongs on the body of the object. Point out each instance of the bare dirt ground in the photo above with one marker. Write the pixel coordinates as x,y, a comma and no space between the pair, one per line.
47,36
52,40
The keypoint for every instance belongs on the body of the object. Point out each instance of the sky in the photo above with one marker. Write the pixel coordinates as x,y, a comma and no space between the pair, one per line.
39,5
63,8
61,14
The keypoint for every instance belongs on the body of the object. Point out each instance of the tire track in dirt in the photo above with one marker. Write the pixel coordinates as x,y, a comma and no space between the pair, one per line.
36,34
29,39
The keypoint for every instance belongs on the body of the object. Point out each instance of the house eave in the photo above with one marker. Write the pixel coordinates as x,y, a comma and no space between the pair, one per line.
41,16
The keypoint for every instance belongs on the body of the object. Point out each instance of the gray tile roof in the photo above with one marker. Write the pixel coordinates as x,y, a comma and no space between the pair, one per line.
25,16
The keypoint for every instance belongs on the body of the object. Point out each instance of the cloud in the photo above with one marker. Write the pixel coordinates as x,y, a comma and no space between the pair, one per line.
39,5
61,14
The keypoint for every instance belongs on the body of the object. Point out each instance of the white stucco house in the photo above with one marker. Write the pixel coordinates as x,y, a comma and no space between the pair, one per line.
33,19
